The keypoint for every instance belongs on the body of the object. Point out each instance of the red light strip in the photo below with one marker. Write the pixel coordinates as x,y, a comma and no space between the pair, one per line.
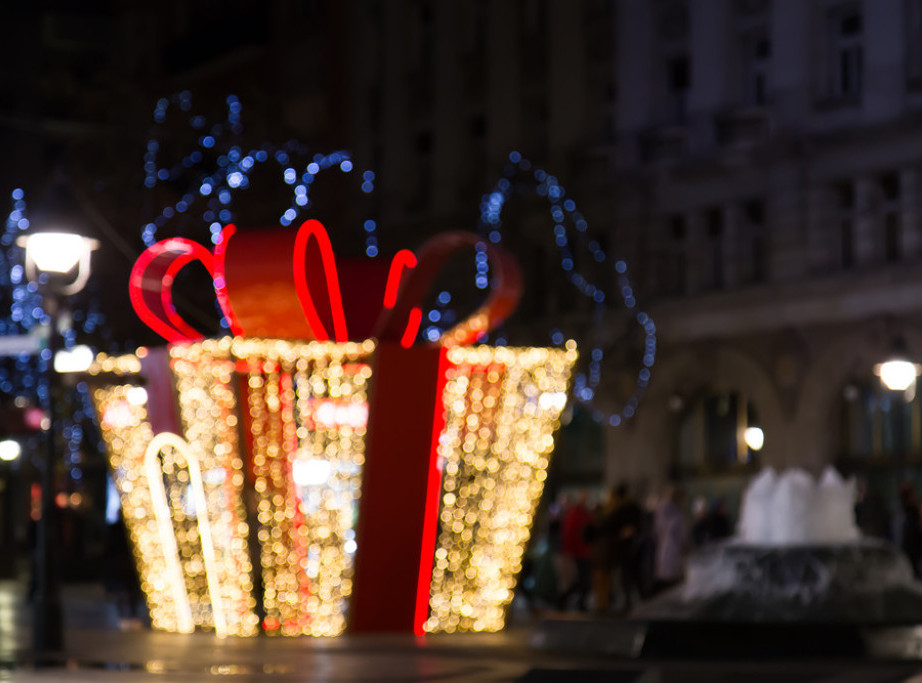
166,297
150,285
409,334
431,511
136,295
403,260
431,255
314,228
220,279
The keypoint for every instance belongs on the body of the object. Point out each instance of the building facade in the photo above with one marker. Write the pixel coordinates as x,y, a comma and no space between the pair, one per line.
756,161
769,169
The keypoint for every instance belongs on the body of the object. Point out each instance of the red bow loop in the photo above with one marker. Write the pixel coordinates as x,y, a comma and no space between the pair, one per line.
311,295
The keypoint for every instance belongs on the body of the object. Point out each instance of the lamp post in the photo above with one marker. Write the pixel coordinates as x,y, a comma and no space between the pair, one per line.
59,264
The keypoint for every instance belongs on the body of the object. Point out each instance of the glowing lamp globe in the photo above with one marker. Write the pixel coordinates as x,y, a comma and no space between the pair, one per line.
55,252
59,253
898,374
9,450
754,437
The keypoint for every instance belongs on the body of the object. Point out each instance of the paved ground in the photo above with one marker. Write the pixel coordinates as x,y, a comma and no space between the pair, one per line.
97,650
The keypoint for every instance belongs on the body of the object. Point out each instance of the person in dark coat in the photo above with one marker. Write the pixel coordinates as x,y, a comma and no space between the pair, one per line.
911,536
119,576
625,526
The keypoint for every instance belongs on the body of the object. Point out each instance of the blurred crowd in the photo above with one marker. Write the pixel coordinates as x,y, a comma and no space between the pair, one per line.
607,555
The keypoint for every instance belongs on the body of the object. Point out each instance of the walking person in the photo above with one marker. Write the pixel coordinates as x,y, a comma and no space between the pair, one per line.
626,528
576,552
671,540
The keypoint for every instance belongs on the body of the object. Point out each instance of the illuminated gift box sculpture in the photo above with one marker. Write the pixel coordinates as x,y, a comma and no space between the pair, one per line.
301,487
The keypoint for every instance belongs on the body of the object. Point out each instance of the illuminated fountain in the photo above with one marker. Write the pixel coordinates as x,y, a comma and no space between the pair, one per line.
318,472
798,578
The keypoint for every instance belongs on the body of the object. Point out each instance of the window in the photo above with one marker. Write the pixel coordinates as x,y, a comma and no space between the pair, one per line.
888,186
751,263
913,42
845,60
877,422
474,56
713,273
478,127
756,56
533,44
712,433
423,45
678,82
674,275
422,197
845,196
673,35
424,143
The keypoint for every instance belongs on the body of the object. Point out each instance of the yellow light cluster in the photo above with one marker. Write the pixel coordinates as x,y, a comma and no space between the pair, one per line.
127,433
121,365
502,407
220,590
185,499
307,477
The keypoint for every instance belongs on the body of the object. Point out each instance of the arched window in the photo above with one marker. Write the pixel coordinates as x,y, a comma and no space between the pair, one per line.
879,423
713,433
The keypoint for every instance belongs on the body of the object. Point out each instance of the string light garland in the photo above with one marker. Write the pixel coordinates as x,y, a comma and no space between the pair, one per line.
502,407
564,212
218,186
305,409
218,170
288,420
20,376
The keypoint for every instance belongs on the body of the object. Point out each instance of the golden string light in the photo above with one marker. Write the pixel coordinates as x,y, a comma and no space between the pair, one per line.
502,407
301,414
204,377
274,446
127,433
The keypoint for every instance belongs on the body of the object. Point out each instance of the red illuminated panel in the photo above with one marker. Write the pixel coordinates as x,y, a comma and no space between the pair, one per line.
401,478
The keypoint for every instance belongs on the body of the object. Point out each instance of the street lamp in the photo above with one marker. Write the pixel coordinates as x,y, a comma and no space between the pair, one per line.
898,373
59,264
754,438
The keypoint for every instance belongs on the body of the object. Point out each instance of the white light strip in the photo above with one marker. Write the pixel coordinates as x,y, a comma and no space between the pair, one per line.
165,526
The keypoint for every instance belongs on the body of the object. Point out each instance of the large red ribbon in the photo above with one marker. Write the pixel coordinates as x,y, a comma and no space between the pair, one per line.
311,295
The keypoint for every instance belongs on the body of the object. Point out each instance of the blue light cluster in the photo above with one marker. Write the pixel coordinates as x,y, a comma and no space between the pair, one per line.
440,318
21,376
563,213
221,169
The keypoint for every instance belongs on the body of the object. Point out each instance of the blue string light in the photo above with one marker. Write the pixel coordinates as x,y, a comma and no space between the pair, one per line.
563,212
21,376
215,188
